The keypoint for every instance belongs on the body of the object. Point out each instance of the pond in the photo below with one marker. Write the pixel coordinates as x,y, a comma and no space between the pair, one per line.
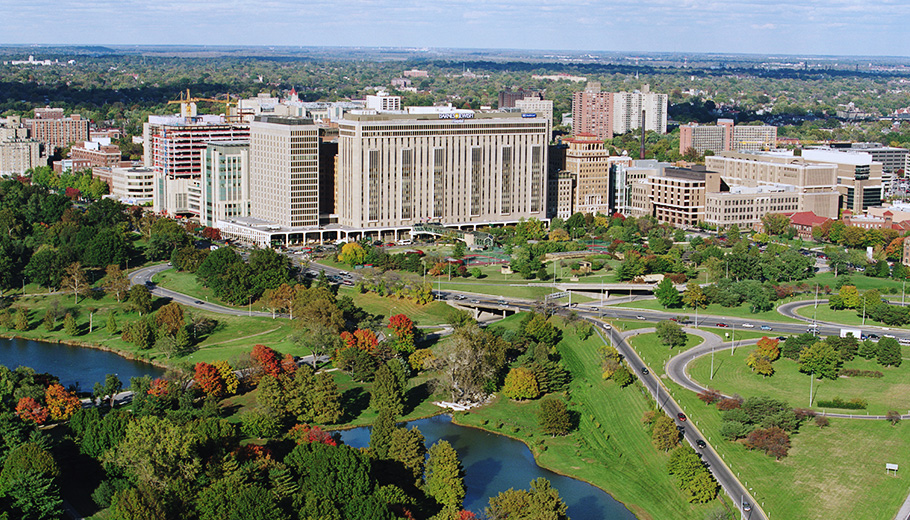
494,463
72,365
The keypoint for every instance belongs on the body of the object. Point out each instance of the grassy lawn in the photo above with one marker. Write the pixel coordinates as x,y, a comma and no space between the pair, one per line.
610,449
731,375
186,283
822,477
846,316
714,309
861,281
433,313
655,354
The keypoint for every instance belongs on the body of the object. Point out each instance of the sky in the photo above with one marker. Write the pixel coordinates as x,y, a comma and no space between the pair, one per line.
826,27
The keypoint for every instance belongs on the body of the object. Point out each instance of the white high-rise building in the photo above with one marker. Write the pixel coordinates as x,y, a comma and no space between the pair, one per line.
284,171
225,184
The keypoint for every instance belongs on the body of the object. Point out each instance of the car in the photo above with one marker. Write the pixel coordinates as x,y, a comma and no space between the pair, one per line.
199,302
872,336
701,444
608,327
722,325
501,302
812,329
459,297
748,326
747,506
639,317
674,319
681,416
782,338
644,371
475,301
765,327
888,336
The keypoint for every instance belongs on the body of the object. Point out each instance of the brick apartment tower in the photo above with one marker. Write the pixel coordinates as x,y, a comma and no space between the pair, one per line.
592,112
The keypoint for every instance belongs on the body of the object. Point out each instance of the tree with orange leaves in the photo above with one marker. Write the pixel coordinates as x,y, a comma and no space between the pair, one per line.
265,361
288,365
403,329
362,339
28,409
61,404
209,379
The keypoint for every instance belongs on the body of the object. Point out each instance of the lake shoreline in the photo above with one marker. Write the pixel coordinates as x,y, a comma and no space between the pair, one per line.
82,344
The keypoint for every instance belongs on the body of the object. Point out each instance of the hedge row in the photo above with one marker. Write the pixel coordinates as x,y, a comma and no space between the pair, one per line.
853,404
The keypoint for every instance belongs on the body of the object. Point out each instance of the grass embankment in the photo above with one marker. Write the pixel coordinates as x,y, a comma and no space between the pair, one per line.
741,311
610,449
846,316
829,472
433,313
861,281
654,353
185,283
732,375
232,336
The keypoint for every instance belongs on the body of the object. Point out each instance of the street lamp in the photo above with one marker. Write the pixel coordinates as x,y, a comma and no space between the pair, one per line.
250,302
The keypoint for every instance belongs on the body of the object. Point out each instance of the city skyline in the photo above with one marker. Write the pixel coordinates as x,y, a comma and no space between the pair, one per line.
840,27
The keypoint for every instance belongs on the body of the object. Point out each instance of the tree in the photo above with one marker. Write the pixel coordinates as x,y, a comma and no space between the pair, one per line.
264,361
232,498
554,417
228,377
75,281
664,434
111,324
520,384
693,296
381,433
170,319
28,481
775,223
459,250
352,254
140,299
540,502
69,324
671,334
850,296
116,282
471,361
325,400
768,347
820,359
889,352
20,320
108,390
209,379
444,476
667,294
29,409
403,329
623,377
760,363
61,404
158,453
691,474
773,441
409,448
388,390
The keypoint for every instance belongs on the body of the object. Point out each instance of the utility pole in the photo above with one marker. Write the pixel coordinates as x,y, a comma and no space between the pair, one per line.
811,378
734,340
864,310
712,362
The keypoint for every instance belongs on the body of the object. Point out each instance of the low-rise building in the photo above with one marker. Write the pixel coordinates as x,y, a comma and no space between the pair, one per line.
804,222
99,152
745,206
674,195
133,185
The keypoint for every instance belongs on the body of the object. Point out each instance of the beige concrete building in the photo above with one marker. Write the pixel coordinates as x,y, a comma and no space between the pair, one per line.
565,194
132,185
533,105
591,163
674,195
815,183
444,165
726,136
225,182
284,171
19,155
746,205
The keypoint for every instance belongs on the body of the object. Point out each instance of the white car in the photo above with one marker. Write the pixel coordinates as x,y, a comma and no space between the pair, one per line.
748,326
639,317
608,327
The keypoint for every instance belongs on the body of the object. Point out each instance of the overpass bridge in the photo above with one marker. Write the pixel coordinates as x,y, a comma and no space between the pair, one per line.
470,238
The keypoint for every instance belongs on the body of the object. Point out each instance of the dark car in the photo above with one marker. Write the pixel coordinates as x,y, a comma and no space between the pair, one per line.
701,444
644,371
681,416
199,302
782,338
873,336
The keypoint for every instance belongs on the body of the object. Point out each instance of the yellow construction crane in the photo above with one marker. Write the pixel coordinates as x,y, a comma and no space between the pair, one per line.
188,105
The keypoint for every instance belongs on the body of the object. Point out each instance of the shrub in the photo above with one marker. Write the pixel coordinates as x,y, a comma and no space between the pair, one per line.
521,384
773,441
821,421
853,372
853,404
710,396
893,417
731,403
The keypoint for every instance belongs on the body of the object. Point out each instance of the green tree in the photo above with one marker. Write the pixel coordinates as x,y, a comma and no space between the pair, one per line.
671,334
667,294
459,250
554,417
387,392
820,359
409,448
20,320
75,281
664,434
111,324
444,476
541,501
520,384
158,453
28,480
623,377
232,498
691,474
381,433
140,299
889,352
694,296
325,400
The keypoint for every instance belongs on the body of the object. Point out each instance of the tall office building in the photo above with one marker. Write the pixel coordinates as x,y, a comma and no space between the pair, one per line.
284,171
604,114
225,183
590,162
439,164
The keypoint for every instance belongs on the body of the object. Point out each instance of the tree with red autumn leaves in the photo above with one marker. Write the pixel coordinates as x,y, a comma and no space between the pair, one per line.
161,388
361,339
211,233
29,409
288,365
304,434
403,329
773,441
265,361
209,379
61,404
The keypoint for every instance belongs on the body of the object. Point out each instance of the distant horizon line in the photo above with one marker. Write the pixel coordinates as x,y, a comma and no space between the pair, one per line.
420,48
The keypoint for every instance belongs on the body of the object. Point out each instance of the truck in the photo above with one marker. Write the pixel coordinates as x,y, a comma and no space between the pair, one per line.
856,333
